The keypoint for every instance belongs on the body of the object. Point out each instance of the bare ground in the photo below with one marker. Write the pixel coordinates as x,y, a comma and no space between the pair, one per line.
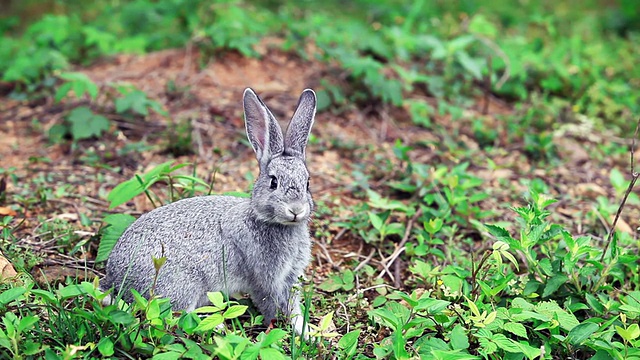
209,96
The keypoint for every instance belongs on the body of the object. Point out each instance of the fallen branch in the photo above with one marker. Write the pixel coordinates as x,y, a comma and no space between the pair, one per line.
634,178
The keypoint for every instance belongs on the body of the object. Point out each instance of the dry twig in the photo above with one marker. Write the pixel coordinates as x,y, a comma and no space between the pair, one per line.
634,178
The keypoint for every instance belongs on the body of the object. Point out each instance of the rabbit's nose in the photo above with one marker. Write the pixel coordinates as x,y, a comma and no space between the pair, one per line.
296,211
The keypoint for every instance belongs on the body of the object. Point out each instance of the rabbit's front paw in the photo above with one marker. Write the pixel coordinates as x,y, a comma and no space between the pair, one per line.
300,327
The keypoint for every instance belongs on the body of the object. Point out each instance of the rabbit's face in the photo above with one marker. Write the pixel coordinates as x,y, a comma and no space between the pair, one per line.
281,193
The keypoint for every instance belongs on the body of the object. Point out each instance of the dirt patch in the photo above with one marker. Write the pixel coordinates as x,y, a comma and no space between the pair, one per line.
208,94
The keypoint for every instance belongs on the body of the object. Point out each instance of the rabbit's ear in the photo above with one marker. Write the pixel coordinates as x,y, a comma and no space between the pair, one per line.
263,130
299,128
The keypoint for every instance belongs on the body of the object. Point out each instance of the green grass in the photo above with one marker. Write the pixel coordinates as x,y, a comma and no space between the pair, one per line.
533,287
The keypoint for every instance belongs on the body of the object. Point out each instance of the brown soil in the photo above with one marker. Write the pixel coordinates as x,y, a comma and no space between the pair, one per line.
209,96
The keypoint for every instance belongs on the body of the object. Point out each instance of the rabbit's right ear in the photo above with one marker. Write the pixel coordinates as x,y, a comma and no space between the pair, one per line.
263,130
295,141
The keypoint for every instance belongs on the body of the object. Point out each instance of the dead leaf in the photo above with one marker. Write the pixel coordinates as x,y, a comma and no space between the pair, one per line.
5,211
623,226
67,216
6,269
57,273
589,190
572,150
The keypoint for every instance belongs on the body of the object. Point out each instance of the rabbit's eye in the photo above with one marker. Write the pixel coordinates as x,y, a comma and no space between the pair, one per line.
274,183
308,183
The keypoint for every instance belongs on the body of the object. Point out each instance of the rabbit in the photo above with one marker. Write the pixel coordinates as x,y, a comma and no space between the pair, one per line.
259,245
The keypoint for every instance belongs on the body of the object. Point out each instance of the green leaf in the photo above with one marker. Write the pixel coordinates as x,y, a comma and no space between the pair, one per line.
333,283
376,221
551,309
57,132
27,322
116,225
85,124
10,295
349,342
273,336
617,180
70,291
554,283
581,333
629,334
131,188
62,91
458,338
234,311
450,355
209,323
506,344
217,299
105,347
153,309
399,343
500,233
516,328
473,66
480,25
118,316
170,355
271,353
48,296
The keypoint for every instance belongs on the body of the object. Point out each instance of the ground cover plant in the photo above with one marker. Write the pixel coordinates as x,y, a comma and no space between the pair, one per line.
473,165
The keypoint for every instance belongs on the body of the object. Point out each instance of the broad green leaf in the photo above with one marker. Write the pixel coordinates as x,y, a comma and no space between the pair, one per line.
153,309
550,308
630,333
85,124
10,295
617,180
234,311
458,338
45,295
271,353
105,347
581,333
217,299
376,221
121,317
450,355
506,344
399,343
70,291
332,283
480,25
209,323
473,66
516,328
62,91
131,188
116,225
349,341
273,336
27,322
554,283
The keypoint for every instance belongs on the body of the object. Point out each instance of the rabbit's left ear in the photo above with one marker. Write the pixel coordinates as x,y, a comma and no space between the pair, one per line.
297,136
263,130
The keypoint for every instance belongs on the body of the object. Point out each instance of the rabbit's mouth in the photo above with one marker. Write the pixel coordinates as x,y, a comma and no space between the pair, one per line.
295,214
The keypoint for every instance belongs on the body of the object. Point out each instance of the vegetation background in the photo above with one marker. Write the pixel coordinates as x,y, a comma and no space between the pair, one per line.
472,162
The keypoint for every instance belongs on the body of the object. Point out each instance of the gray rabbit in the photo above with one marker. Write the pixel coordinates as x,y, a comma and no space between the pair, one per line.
258,246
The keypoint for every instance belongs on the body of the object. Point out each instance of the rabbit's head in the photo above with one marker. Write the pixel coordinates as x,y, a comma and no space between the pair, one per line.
281,192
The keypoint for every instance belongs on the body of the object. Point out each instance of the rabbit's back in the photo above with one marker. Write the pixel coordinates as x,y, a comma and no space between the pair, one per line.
188,233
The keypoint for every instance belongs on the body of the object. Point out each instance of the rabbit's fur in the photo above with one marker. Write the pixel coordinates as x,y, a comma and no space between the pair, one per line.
259,246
